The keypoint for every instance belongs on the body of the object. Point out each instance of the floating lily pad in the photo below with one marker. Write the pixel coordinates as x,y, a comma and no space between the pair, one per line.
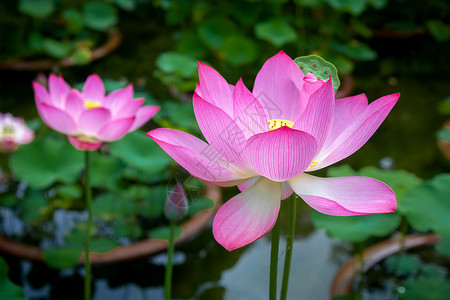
62,258
139,151
127,229
356,228
163,233
214,31
200,204
427,207
102,245
9,291
33,206
178,64
44,162
403,264
425,288
37,8
105,171
276,31
239,50
99,15
319,67
359,228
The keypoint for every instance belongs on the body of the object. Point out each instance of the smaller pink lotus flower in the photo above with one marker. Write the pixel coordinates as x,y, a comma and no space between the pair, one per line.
90,117
13,132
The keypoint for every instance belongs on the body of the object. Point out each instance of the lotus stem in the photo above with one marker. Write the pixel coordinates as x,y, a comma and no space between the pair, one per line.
169,266
289,245
87,260
274,261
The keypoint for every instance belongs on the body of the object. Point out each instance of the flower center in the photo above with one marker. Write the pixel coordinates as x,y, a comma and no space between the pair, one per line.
313,164
8,132
89,104
278,123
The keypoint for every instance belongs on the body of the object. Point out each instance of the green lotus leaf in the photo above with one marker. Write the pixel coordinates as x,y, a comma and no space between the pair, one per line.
44,162
427,207
276,31
426,288
139,151
62,258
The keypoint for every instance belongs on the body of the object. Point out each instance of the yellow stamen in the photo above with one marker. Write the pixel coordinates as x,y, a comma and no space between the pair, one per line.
91,104
313,164
278,123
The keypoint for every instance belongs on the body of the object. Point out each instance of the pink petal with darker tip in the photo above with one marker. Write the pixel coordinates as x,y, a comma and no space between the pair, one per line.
214,88
143,115
281,154
278,87
93,88
57,119
248,112
115,129
345,196
74,104
118,99
196,156
58,90
317,117
222,133
248,216
357,133
40,93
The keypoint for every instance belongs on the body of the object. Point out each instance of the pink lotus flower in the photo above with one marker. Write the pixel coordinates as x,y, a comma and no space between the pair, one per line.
90,117
267,141
13,132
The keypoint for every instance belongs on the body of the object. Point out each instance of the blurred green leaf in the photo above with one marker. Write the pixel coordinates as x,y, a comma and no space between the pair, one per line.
182,115
149,200
239,50
425,288
68,191
62,258
56,48
444,134
403,264
163,233
99,15
275,31
73,19
190,44
443,247
81,56
179,64
356,50
8,200
111,206
139,151
427,207
214,31
197,205
102,244
37,8
128,5
105,171
356,228
444,106
125,228
361,28
33,206
43,162
355,7
9,291
439,30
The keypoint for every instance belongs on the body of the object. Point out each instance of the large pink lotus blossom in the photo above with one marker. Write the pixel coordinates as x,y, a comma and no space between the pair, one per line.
90,117
267,141
13,132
